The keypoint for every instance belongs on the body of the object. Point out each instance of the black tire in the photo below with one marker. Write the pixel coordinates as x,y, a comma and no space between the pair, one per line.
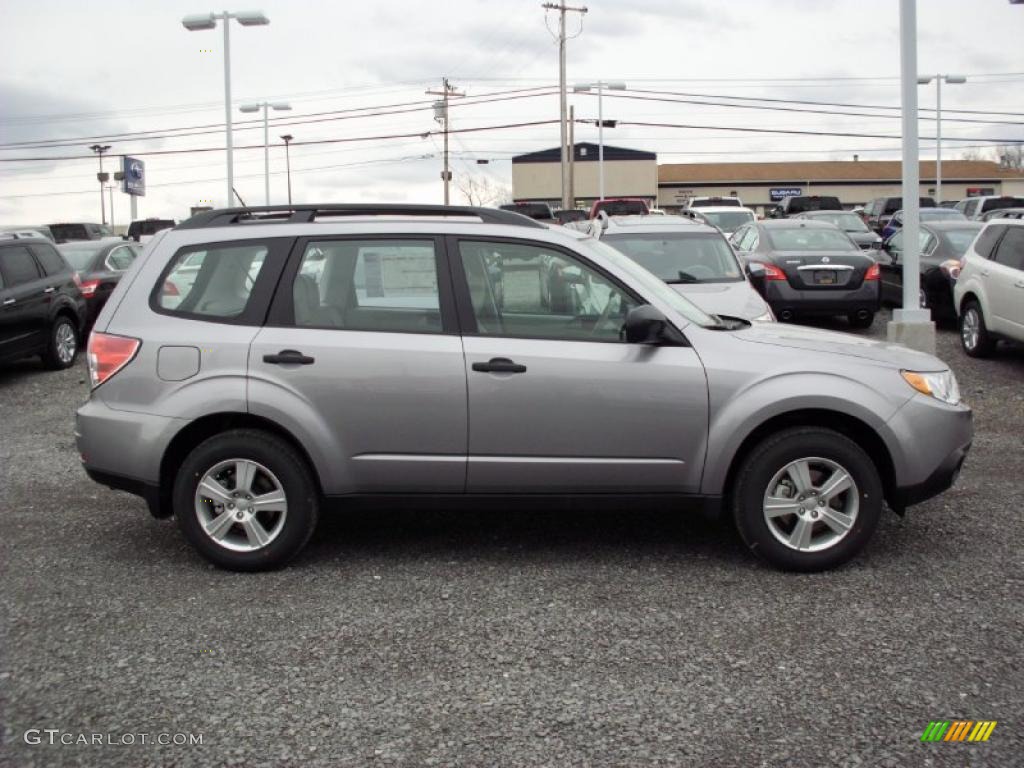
53,356
771,456
291,470
861,322
985,344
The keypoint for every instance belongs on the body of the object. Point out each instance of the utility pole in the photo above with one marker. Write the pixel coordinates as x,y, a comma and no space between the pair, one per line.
441,116
572,155
562,9
287,138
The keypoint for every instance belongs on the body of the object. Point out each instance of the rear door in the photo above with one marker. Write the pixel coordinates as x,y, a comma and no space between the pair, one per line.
362,353
23,315
1005,284
558,402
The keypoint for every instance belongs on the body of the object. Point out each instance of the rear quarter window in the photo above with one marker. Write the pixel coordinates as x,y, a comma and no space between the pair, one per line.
51,261
987,240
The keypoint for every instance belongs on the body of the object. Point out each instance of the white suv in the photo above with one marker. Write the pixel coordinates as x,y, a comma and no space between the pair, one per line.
989,293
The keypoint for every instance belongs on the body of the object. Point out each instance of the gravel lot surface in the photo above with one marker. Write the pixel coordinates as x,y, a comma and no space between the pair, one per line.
521,639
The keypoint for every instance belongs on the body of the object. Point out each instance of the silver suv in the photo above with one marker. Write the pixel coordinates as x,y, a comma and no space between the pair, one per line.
322,355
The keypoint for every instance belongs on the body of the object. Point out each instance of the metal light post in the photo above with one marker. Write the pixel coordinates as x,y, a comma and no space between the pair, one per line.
198,22
99,149
266,106
952,80
600,86
287,138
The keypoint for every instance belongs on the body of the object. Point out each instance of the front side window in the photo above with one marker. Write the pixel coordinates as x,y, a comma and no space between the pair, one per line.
1010,252
535,292
368,285
212,281
810,239
17,266
678,257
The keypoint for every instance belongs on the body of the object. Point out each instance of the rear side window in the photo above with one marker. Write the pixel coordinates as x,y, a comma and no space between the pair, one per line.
987,240
120,258
1010,252
52,262
17,266
215,282
369,285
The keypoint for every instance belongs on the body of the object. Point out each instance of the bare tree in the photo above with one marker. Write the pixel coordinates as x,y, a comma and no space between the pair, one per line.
975,154
482,190
1011,156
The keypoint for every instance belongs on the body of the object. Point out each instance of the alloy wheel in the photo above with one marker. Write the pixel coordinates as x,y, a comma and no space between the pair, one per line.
66,343
970,329
811,504
241,505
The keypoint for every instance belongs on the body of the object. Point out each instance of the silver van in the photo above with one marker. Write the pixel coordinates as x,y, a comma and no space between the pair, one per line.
323,355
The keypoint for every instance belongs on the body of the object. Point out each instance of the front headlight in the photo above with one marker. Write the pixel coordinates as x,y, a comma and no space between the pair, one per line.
939,384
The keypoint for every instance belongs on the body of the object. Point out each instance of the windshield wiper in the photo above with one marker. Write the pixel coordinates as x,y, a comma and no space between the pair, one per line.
684,277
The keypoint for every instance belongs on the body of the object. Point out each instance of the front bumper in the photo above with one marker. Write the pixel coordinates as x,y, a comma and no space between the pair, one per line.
782,297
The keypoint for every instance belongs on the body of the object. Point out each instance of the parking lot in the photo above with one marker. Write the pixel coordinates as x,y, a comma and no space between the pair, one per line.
476,638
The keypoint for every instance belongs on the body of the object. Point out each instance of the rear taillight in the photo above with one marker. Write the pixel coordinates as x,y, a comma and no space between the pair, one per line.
873,273
170,289
88,287
108,354
773,273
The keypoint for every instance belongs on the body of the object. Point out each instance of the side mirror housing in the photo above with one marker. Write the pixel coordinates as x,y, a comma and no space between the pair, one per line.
877,245
645,325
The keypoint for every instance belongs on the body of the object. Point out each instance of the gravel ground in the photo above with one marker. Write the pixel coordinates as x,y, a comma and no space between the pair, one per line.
520,639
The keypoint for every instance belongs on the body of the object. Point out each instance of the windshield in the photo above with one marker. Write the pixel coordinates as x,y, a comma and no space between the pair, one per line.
728,221
807,239
960,239
622,207
650,284
848,222
678,257
80,256
710,201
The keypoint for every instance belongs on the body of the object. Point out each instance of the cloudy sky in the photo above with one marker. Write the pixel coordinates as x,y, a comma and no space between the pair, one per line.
126,72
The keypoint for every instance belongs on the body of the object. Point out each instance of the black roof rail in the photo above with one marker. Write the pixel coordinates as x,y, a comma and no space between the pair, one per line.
303,214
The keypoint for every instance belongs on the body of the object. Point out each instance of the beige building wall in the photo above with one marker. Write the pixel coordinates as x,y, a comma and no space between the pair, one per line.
622,178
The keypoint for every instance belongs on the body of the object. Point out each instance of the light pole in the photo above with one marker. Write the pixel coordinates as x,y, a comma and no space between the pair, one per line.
952,80
600,86
287,138
266,106
99,149
197,22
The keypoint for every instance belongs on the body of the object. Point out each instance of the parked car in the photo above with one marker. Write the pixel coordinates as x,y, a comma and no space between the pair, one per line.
989,293
805,267
1003,213
63,233
695,259
881,209
537,211
791,206
726,218
619,206
28,231
146,228
976,207
714,202
42,311
568,215
926,214
848,221
249,406
100,264
942,244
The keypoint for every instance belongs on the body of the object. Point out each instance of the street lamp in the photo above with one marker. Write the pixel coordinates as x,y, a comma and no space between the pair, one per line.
952,80
287,138
266,106
99,149
203,21
599,86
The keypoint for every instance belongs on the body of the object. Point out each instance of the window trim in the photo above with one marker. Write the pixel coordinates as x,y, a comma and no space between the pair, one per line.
256,308
106,260
464,302
282,307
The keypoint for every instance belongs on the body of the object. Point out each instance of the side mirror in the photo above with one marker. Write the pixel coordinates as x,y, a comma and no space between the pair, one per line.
877,245
645,325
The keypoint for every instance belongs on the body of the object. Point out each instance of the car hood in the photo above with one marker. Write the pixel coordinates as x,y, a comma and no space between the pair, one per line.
731,299
847,344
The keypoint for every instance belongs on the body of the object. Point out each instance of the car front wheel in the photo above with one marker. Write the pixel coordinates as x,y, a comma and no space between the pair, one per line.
807,499
246,500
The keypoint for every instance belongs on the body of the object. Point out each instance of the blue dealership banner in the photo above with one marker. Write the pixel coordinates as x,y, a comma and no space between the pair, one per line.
777,193
134,182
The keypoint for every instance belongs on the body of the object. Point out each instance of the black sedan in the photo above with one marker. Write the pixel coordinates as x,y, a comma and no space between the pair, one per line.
849,222
99,265
808,267
943,244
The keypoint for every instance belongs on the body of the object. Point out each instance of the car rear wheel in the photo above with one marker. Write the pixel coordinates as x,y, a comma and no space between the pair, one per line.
62,348
807,499
246,500
974,336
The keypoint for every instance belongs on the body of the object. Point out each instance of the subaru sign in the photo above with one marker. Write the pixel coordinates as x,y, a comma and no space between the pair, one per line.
134,182
778,193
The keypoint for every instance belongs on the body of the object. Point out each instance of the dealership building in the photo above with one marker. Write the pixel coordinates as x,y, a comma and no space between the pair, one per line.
536,177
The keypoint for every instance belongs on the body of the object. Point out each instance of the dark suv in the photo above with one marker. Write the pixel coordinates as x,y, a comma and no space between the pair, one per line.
791,206
42,311
881,209
67,231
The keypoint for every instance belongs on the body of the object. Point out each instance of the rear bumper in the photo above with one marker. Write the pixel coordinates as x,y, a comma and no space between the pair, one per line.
783,297
149,492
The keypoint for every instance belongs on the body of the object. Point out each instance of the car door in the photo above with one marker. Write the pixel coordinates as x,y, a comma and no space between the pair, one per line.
558,401
1005,284
362,355
23,315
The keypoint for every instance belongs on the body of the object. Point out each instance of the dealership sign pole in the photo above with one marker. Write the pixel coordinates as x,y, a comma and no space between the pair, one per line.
133,181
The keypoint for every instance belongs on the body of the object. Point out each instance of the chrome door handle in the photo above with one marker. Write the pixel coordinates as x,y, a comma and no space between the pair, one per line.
49,290
8,302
